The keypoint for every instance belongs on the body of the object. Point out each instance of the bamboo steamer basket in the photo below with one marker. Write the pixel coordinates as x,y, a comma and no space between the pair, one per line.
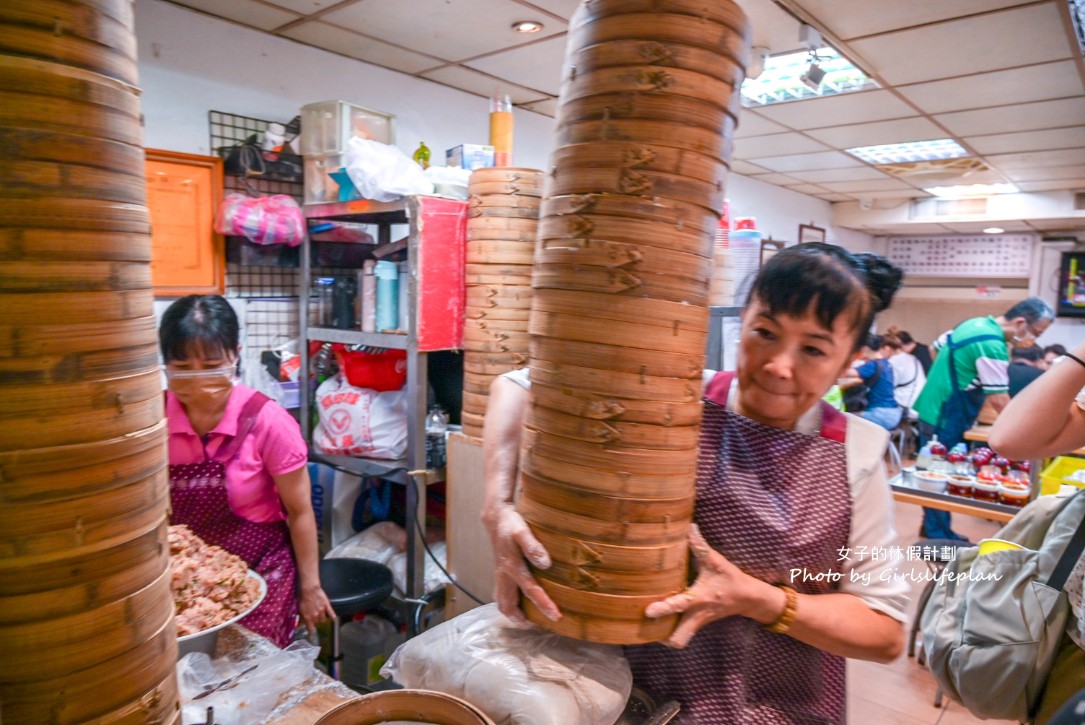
596,406
84,583
507,339
487,203
659,559
661,234
503,270
477,383
476,234
493,278
483,365
472,431
725,33
594,628
493,326
642,157
503,174
594,455
637,182
666,364
677,215
651,80
591,579
614,433
594,529
604,508
502,224
503,212
656,313
472,422
630,106
476,402
411,705
621,255
599,10
620,53
499,252
618,281
521,187
666,133
616,385
492,312
506,296
616,483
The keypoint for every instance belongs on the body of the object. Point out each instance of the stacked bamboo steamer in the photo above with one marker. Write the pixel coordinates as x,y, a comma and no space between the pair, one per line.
85,598
503,217
618,318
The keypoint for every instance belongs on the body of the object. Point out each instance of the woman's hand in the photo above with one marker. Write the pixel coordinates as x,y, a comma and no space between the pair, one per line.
722,590
314,607
512,543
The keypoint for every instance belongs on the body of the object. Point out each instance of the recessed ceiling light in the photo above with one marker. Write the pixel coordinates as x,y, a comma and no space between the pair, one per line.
527,26
897,153
993,230
966,190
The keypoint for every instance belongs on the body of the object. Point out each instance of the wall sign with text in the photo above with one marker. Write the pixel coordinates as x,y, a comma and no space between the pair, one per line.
976,255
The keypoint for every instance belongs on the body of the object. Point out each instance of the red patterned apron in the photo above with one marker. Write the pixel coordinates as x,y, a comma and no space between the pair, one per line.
198,498
770,500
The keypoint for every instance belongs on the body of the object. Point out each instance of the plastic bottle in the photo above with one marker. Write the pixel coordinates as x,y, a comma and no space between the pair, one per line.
436,427
404,289
345,290
367,295
923,460
365,644
387,295
501,128
938,449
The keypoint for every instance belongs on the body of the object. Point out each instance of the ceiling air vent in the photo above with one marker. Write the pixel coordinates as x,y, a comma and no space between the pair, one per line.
936,172
1079,201
928,208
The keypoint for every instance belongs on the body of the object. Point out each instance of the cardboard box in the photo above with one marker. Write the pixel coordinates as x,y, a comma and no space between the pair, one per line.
470,156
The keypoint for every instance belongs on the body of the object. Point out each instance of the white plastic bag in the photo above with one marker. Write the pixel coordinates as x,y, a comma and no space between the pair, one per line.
383,173
253,696
516,676
386,543
360,422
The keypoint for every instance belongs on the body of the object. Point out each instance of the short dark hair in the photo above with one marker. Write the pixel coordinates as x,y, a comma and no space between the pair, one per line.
1033,309
198,321
827,280
875,342
905,338
892,342
1032,353
1056,348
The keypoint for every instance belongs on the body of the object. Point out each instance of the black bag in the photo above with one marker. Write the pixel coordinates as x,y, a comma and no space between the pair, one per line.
857,397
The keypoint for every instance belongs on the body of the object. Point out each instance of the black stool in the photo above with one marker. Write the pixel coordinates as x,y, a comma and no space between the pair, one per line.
352,586
936,564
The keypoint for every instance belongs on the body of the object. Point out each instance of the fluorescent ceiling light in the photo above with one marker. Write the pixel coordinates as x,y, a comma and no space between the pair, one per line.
527,26
993,230
782,78
966,190
1077,14
898,153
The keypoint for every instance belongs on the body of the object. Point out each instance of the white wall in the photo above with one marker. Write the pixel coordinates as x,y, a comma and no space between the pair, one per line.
1044,283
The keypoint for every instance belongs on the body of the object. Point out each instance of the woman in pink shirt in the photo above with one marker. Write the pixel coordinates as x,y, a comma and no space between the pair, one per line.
237,470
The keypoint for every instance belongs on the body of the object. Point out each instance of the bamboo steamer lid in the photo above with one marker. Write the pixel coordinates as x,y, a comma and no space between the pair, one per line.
595,629
480,326
508,296
656,313
618,53
493,278
631,106
586,404
154,707
484,203
615,385
413,705
666,364
555,495
652,80
574,523
652,24
602,10
637,182
620,281
621,255
503,212
496,174
475,233
642,157
677,215
74,245
614,433
624,229
627,559
496,313
522,187
700,140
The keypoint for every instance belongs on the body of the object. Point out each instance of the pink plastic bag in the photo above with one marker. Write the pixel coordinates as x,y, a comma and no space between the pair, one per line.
262,220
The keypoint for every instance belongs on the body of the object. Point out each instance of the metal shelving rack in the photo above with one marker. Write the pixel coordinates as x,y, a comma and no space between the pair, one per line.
410,471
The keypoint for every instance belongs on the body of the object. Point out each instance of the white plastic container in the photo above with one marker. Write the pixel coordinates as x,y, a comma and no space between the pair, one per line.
327,126
365,645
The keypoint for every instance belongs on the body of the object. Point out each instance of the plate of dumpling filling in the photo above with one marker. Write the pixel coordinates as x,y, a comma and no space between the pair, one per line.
212,588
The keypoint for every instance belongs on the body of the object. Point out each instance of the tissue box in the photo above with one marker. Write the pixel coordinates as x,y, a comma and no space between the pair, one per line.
470,156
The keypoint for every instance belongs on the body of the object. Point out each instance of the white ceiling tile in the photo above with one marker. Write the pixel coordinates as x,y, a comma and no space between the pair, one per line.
1075,183
450,29
537,65
902,194
899,130
246,12
858,187
777,179
808,189
548,107
836,197
776,144
305,7
561,8
846,108
975,44
856,18
977,227
770,26
859,173
806,162
910,229
357,46
1037,159
1057,225
1055,138
746,168
1046,173
752,124
1016,85
1017,117
480,84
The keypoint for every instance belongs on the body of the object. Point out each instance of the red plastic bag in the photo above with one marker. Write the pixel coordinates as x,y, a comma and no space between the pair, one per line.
381,371
262,220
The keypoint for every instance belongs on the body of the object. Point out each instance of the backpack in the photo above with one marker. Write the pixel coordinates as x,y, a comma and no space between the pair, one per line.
857,397
994,623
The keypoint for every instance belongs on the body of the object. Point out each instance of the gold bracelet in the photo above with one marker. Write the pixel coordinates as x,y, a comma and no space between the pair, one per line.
787,617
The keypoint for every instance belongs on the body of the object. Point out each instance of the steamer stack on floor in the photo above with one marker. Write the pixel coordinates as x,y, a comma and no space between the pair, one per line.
86,613
619,319
504,212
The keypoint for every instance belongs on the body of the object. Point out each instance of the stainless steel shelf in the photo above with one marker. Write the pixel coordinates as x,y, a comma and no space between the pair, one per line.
396,471
356,337
360,210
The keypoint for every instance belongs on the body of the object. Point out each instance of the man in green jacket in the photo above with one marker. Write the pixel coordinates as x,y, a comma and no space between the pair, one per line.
972,364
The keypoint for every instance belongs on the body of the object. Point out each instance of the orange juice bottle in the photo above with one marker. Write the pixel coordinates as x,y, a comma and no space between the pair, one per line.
501,128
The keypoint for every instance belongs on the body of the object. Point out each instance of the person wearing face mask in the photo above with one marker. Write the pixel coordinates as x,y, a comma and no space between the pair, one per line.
972,364
785,483
237,466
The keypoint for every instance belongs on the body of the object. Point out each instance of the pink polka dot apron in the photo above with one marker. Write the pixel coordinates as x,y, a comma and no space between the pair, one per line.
770,500
198,498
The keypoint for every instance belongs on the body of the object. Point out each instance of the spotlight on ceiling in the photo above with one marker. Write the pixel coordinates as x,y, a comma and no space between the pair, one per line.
527,26
758,57
993,230
813,75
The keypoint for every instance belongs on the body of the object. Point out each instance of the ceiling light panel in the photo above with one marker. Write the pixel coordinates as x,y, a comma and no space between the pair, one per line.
971,190
792,77
945,148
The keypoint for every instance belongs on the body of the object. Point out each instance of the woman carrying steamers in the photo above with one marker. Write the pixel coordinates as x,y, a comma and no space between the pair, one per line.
238,475
790,484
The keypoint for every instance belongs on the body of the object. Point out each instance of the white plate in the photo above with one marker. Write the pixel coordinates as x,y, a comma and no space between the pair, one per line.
205,641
